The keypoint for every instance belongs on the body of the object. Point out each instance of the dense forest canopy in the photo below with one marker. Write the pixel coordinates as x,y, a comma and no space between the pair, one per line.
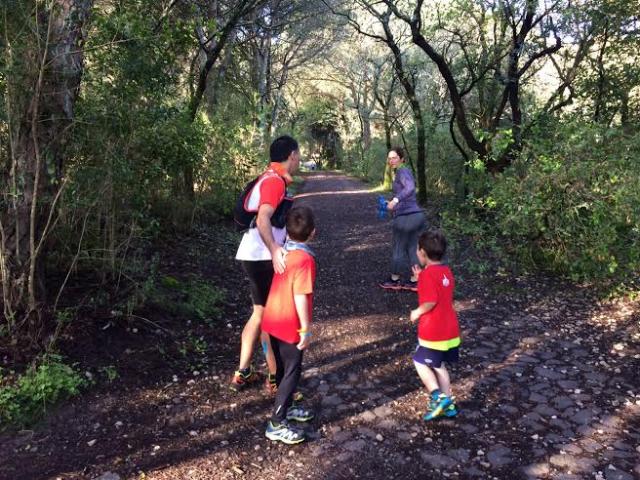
122,121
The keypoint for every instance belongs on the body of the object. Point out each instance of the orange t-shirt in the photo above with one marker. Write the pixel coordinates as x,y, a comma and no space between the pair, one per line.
280,317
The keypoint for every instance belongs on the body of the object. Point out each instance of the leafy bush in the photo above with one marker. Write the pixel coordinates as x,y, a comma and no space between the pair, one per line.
194,298
571,204
25,400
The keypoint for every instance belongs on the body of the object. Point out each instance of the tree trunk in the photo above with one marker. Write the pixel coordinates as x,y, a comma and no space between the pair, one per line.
262,65
212,46
42,95
600,91
409,89
278,101
454,94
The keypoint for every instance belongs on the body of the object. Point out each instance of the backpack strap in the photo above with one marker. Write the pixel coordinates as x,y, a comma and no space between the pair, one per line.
261,178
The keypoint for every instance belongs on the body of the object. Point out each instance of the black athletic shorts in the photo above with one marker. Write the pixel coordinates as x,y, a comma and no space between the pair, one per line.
260,274
434,358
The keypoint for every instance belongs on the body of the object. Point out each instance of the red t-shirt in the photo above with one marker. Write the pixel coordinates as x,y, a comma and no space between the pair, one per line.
438,329
272,188
280,317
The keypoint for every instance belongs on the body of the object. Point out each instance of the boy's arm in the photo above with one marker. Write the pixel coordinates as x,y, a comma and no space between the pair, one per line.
302,309
421,310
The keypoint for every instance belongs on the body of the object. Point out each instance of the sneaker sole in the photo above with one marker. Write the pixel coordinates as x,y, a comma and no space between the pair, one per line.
410,289
301,419
389,288
276,438
432,416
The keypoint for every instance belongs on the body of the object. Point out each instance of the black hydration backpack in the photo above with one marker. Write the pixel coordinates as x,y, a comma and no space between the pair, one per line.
245,218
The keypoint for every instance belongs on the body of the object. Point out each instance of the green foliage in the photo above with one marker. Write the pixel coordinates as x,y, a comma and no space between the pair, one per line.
110,372
368,165
571,204
319,119
195,298
230,162
28,397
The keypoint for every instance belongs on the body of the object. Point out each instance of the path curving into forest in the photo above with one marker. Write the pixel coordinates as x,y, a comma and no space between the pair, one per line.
548,384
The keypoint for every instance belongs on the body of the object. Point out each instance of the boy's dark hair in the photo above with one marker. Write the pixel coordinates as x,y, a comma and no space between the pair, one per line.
300,223
282,147
434,243
399,151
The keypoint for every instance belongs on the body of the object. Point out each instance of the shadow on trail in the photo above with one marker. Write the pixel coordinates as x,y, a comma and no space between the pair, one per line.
586,423
529,354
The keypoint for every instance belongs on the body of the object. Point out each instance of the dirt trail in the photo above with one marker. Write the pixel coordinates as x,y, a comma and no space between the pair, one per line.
548,385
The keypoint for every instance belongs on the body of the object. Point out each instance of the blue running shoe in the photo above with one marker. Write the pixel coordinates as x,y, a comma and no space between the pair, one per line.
441,403
284,433
451,411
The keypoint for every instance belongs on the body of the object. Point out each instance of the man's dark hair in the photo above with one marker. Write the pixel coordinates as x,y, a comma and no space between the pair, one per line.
282,147
433,243
399,151
300,223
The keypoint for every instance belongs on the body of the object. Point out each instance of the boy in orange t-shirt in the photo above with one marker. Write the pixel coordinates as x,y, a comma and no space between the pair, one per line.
287,320
438,329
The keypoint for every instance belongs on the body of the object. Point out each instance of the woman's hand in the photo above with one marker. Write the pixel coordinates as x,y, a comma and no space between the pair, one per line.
392,204
414,316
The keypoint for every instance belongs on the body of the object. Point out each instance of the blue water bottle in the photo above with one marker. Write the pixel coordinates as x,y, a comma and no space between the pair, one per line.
382,207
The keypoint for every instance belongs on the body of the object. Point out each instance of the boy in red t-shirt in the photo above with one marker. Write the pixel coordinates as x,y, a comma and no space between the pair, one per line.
287,320
438,330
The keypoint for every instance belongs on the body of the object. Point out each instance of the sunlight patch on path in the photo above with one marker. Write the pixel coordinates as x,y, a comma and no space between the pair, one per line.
339,192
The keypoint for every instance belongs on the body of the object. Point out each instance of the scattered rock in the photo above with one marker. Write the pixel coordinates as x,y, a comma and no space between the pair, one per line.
617,474
461,455
582,417
368,416
331,401
499,456
108,476
438,461
383,411
536,470
355,445
572,463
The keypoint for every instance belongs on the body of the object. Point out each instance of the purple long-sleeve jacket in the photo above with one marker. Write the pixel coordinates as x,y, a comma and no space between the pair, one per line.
404,189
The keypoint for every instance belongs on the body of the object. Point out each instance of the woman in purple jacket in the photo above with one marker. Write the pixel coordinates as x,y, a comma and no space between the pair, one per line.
409,221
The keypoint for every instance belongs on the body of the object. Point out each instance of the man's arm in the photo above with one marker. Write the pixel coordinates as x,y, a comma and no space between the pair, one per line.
263,223
302,308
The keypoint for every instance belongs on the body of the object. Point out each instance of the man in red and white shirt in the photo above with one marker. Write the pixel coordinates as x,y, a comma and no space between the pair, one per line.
261,252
